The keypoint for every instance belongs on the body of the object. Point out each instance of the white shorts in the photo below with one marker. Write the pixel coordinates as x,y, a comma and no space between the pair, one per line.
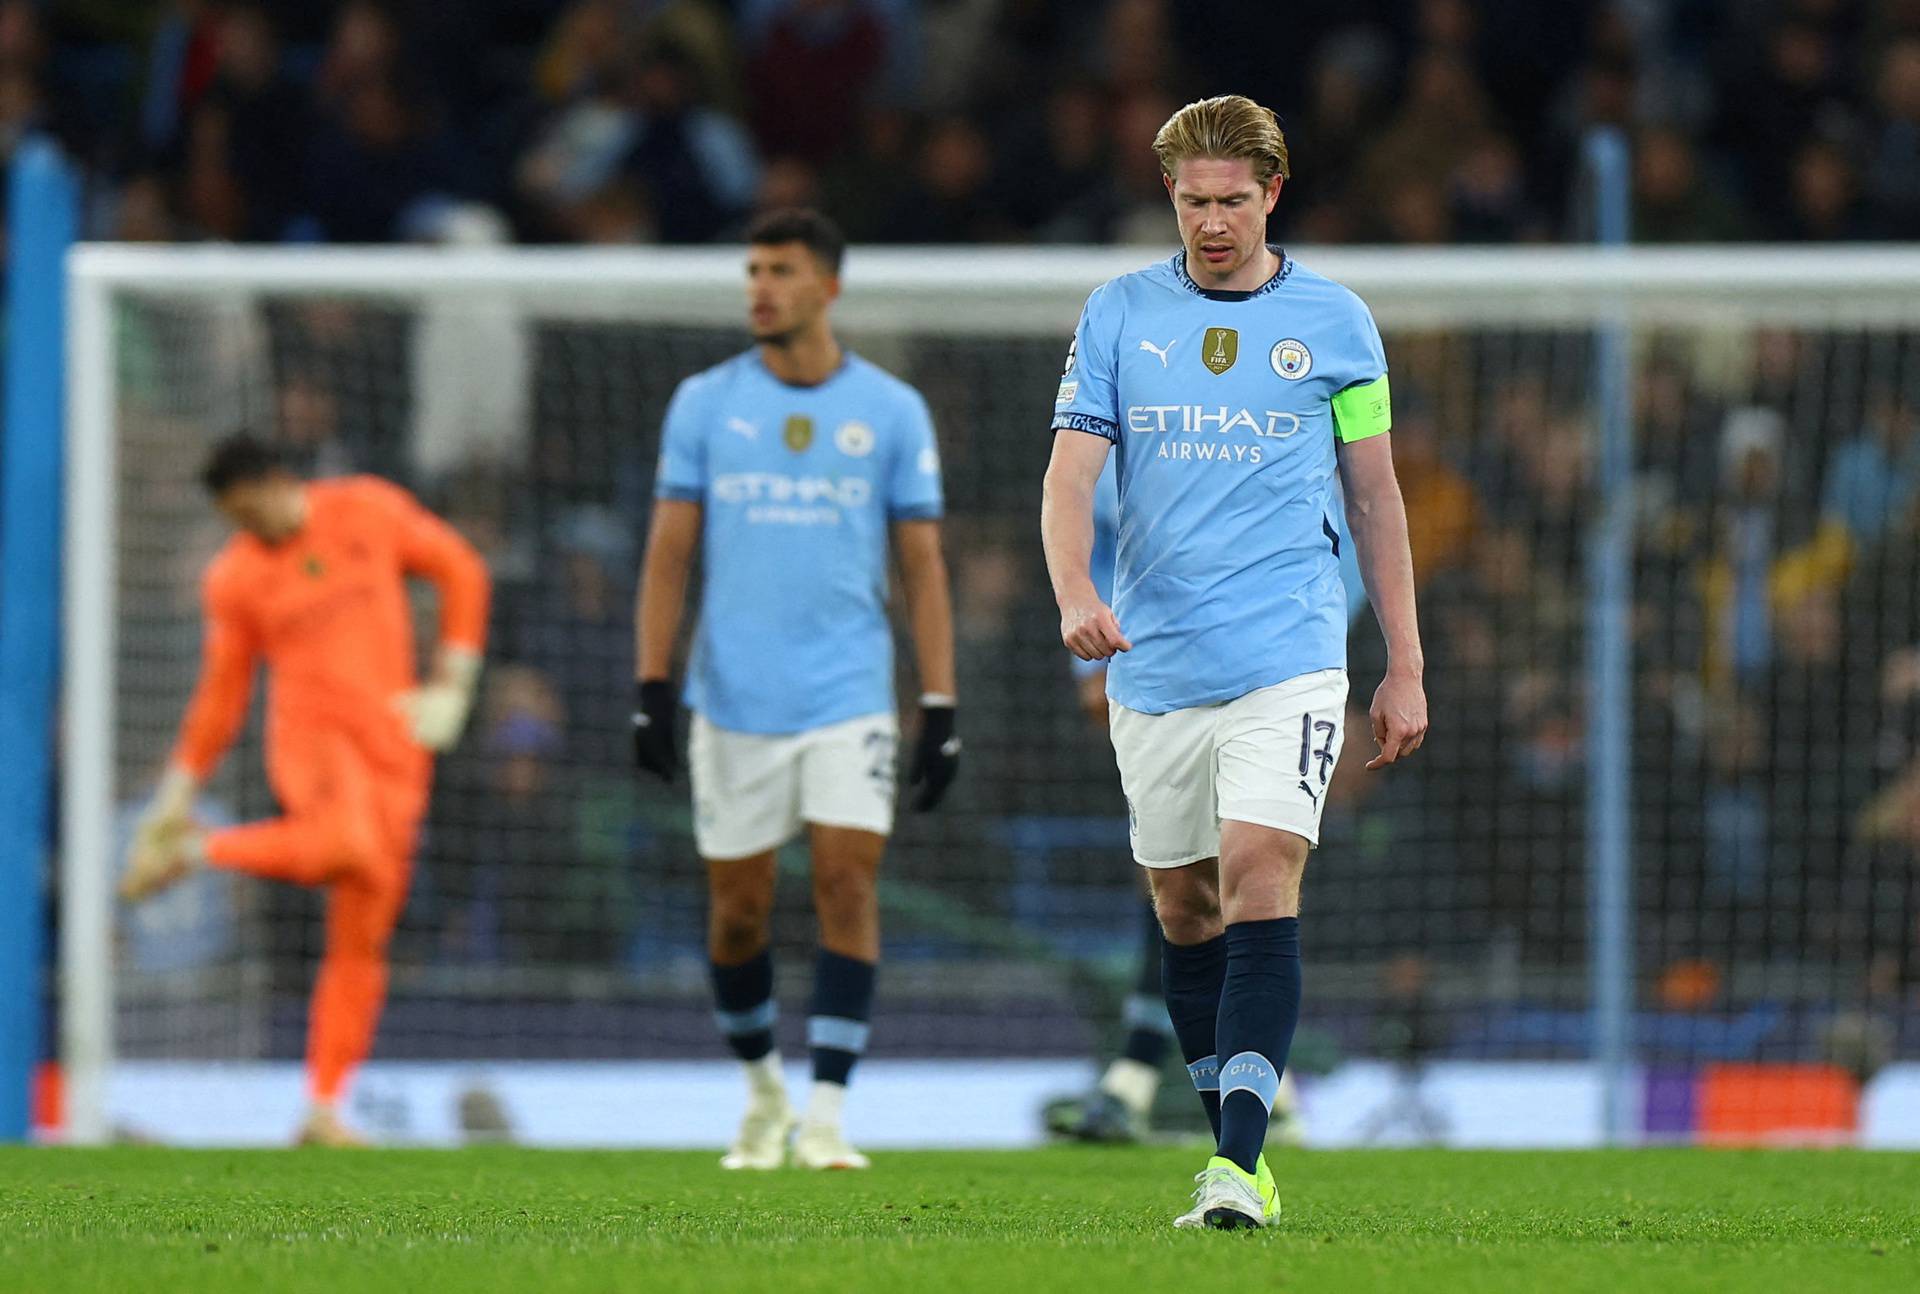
1263,758
753,791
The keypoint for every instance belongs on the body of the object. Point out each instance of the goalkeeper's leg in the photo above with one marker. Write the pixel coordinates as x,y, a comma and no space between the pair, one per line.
342,817
350,991
349,994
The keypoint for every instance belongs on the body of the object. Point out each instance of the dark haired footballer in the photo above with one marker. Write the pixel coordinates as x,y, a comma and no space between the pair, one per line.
792,467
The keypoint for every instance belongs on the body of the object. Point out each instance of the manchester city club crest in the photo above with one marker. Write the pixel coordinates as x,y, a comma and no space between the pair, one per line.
854,439
1220,348
1291,359
798,433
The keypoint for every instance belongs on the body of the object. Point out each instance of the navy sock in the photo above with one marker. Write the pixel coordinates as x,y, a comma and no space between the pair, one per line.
842,1003
1258,1009
1148,1028
1194,975
745,1012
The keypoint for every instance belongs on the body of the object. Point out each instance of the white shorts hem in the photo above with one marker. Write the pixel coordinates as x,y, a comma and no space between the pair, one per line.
844,825
709,854
1311,837
1188,861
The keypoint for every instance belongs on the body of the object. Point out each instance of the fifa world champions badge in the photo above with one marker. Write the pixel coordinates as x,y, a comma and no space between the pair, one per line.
1220,348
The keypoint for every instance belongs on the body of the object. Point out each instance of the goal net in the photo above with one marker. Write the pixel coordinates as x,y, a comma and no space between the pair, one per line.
549,976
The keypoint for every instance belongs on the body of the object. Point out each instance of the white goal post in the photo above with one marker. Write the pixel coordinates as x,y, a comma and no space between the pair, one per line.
1017,293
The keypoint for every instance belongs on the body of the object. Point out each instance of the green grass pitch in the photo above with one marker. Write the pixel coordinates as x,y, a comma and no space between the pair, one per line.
1050,1221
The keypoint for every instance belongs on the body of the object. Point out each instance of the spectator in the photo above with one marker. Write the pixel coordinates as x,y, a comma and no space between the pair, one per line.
811,73
1054,182
697,166
1736,816
1348,95
1414,211
1487,196
1822,733
144,213
575,626
951,200
1142,214
1673,200
582,54
1137,46
870,180
650,138
1774,94
1443,516
1747,547
372,158
1825,203
1894,187
1874,479
1443,116
1676,427
364,47
263,123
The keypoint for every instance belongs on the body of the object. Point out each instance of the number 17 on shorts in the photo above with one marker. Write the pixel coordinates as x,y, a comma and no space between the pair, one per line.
1265,758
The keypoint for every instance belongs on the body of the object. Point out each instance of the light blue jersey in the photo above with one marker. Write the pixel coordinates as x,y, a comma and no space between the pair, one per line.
1223,408
798,487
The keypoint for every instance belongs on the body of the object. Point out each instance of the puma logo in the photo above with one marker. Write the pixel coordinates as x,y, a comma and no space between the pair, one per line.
744,427
1310,792
1160,351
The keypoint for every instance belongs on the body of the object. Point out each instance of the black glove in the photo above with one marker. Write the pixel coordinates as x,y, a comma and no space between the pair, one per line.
655,709
936,757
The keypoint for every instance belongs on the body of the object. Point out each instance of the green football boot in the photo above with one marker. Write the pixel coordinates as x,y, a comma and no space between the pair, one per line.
1228,1198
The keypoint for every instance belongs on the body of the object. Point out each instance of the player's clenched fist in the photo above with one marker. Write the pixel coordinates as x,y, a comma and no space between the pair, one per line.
655,709
1399,718
1090,631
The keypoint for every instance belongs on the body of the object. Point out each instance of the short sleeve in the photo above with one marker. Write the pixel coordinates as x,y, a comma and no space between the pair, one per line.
913,490
1363,407
1087,399
682,472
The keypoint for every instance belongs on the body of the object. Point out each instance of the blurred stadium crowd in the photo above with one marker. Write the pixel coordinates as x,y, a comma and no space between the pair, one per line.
611,121
1776,710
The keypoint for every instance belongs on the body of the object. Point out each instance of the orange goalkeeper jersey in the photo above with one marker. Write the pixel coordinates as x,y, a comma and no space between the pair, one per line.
328,611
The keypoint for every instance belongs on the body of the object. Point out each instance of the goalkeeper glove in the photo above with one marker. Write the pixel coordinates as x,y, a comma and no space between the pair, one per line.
171,806
436,711
655,710
936,755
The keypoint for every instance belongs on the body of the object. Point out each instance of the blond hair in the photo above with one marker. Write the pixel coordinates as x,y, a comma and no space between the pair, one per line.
1227,126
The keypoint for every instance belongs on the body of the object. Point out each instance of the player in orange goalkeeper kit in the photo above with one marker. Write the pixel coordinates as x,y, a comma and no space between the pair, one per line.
314,583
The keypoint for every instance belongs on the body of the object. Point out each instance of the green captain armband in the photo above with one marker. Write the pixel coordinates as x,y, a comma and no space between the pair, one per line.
1362,411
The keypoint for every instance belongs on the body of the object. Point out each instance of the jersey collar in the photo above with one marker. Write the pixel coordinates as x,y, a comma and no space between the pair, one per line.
846,362
1219,294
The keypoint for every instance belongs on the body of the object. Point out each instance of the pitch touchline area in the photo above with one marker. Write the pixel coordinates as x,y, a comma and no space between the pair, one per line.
1077,1219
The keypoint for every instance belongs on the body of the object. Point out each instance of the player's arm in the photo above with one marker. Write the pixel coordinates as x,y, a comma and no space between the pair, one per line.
679,492
1377,517
916,500
1087,625
435,551
923,573
229,655
659,605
